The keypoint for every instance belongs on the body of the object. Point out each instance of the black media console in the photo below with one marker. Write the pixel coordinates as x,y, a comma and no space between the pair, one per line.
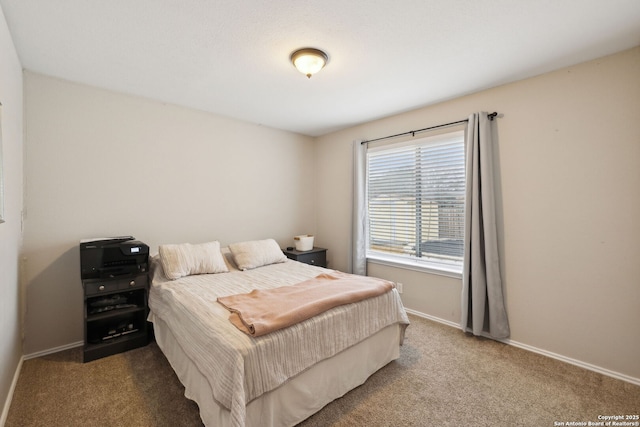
115,282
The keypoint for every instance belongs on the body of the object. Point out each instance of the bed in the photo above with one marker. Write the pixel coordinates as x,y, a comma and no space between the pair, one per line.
278,379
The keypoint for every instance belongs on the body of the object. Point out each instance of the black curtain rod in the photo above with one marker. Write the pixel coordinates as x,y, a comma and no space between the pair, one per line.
413,132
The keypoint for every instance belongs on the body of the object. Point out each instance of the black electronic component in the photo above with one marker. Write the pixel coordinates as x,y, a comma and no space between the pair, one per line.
111,257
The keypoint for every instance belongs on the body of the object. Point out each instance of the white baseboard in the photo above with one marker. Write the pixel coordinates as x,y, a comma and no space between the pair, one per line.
53,350
435,319
579,363
7,403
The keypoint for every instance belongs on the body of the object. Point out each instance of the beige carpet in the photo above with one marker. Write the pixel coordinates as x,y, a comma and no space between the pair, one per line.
442,378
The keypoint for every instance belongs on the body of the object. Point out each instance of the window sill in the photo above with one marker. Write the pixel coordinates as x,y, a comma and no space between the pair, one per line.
415,266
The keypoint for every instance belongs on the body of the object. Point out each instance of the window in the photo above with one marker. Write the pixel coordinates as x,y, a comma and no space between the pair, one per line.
415,202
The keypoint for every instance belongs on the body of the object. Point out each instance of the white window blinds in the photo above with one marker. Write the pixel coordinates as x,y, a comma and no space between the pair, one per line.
415,200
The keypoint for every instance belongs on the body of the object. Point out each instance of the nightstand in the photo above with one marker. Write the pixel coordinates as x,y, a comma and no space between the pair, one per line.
315,256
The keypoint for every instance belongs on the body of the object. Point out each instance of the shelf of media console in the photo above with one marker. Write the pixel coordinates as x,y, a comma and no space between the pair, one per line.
115,329
118,312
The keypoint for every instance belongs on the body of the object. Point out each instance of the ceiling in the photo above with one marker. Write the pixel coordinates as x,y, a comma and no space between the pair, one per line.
231,57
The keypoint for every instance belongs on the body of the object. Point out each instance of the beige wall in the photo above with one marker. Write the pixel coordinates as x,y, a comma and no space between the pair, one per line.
100,163
569,158
11,229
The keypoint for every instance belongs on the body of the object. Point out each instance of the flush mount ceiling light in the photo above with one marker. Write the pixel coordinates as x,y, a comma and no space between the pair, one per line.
309,60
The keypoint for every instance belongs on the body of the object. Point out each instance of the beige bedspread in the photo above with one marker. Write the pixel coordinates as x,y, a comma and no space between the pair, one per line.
239,367
263,311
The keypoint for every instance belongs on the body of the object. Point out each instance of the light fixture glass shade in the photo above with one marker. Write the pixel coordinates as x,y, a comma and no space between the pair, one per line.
309,60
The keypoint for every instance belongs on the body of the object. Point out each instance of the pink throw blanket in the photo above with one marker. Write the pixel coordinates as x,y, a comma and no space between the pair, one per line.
262,311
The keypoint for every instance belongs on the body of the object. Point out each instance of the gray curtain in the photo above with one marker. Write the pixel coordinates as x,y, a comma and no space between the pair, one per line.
483,308
359,220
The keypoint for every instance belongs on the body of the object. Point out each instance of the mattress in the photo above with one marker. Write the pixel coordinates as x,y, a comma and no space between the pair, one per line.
238,372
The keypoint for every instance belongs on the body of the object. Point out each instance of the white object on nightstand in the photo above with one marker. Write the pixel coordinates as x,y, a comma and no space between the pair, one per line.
304,242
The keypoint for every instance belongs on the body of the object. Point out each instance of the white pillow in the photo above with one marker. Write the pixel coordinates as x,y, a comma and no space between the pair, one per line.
186,259
256,253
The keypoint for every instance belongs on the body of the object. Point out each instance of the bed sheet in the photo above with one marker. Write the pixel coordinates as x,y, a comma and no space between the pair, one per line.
298,398
240,368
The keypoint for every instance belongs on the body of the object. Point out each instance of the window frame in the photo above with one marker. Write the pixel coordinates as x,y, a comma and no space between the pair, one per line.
412,262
